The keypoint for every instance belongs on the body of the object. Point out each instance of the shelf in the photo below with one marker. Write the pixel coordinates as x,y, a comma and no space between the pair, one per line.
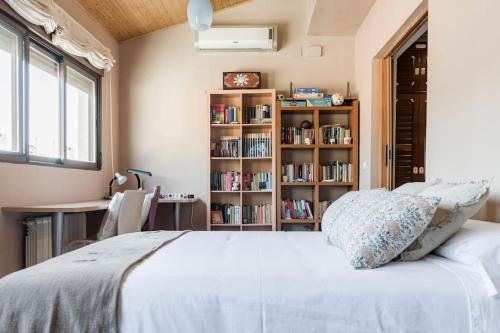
297,146
319,108
225,191
225,225
298,184
257,225
262,191
258,125
225,158
225,125
335,146
299,221
257,158
334,184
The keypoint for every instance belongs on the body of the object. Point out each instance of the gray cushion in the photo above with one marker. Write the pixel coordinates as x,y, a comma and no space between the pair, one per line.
373,227
459,202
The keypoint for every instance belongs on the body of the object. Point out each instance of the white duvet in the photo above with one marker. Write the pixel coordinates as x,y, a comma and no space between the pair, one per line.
218,282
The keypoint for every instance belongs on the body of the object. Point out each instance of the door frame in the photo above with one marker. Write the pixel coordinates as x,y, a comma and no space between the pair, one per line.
384,96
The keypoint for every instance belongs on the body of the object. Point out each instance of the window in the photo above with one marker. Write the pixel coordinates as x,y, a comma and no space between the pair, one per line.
80,117
9,92
56,95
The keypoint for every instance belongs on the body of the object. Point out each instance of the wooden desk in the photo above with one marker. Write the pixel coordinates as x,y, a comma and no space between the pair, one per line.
58,211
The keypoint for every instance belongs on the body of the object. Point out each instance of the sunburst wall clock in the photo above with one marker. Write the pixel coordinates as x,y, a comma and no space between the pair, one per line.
241,80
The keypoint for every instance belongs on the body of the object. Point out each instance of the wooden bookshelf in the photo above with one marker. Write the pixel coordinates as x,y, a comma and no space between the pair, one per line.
243,165
318,153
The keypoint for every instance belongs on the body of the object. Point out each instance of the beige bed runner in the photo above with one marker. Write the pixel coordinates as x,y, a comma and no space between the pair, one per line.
78,291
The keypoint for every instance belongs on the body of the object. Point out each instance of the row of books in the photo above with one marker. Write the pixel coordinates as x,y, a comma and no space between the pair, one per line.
257,181
258,114
225,181
225,114
323,206
333,134
257,214
257,145
296,209
231,214
303,93
297,172
228,146
297,135
336,172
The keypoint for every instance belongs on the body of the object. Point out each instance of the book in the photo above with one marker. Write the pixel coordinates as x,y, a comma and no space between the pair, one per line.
297,135
323,206
296,209
257,145
257,181
257,214
225,181
227,146
297,172
333,134
225,114
231,214
336,172
261,113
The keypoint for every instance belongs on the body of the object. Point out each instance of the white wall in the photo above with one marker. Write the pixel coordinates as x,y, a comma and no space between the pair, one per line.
29,184
163,106
463,131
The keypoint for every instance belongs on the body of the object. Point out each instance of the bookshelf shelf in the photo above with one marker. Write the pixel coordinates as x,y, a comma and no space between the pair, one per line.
317,192
248,107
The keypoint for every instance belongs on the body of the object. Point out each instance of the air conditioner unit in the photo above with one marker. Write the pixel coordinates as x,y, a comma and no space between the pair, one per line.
234,38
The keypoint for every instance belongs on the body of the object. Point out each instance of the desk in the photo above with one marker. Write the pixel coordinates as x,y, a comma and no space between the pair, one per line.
177,208
58,211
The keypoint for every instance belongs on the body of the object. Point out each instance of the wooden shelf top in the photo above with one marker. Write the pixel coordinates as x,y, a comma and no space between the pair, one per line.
257,158
257,225
335,146
258,125
225,125
319,108
314,145
299,221
225,225
334,184
298,183
224,158
315,183
261,191
297,146
225,191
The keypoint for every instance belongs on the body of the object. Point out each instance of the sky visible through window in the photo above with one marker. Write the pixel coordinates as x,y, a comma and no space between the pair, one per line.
6,101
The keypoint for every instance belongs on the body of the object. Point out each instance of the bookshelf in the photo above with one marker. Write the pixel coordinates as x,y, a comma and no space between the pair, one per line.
318,153
255,157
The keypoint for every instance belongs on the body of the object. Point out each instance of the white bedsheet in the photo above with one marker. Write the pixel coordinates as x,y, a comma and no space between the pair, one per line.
294,282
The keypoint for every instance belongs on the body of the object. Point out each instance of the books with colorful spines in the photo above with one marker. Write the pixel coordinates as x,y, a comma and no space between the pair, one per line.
257,214
336,172
297,135
257,182
257,145
333,134
228,146
231,214
296,209
298,172
225,181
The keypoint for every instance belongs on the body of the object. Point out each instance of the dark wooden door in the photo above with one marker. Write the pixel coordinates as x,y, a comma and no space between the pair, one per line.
410,115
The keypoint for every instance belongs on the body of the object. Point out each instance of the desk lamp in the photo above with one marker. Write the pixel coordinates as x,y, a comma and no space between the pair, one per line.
120,179
137,172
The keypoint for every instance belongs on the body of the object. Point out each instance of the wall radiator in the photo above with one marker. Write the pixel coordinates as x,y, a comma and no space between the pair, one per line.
38,239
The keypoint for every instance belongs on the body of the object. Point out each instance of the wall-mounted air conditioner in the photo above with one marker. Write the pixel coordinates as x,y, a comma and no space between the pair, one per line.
238,38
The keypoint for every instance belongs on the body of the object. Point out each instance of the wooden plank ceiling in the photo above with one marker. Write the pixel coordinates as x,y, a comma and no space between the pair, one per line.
131,18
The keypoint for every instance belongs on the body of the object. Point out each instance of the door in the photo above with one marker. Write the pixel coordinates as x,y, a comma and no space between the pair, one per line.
410,111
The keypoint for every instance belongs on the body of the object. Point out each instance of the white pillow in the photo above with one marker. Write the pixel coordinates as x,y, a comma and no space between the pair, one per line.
459,202
477,243
372,227
146,207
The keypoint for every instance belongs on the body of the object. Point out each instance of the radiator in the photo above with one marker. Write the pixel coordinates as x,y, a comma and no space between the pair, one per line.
38,237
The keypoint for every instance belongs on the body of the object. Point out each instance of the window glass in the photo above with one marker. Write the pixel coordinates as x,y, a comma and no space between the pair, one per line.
9,65
80,117
44,101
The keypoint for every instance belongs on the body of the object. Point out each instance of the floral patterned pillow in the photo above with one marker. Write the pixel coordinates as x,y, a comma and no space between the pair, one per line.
373,227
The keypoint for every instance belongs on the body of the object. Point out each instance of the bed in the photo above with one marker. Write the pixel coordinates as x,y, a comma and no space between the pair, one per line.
296,282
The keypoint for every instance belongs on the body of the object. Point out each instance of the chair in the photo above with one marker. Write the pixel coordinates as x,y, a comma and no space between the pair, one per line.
154,207
129,217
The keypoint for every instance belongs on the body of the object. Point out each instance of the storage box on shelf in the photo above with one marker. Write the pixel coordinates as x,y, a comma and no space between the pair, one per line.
242,159
316,165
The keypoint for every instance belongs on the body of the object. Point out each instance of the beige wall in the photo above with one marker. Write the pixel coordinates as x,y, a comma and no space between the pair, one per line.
163,116
384,20
464,100
26,184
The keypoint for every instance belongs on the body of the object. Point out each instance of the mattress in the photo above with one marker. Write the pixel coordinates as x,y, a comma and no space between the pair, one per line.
296,282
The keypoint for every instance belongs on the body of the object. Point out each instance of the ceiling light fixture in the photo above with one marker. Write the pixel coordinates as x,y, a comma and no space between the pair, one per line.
200,14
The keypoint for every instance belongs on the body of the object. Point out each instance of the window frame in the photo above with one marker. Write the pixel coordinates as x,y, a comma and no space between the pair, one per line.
26,40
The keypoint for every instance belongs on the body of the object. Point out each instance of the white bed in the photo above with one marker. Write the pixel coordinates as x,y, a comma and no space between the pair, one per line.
294,282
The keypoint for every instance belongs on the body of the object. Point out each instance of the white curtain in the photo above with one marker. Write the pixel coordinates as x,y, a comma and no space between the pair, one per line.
66,32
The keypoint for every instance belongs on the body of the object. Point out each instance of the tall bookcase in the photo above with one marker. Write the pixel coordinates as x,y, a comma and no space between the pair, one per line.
242,164
317,153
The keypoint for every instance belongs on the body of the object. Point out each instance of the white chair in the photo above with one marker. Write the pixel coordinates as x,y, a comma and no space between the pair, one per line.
125,214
